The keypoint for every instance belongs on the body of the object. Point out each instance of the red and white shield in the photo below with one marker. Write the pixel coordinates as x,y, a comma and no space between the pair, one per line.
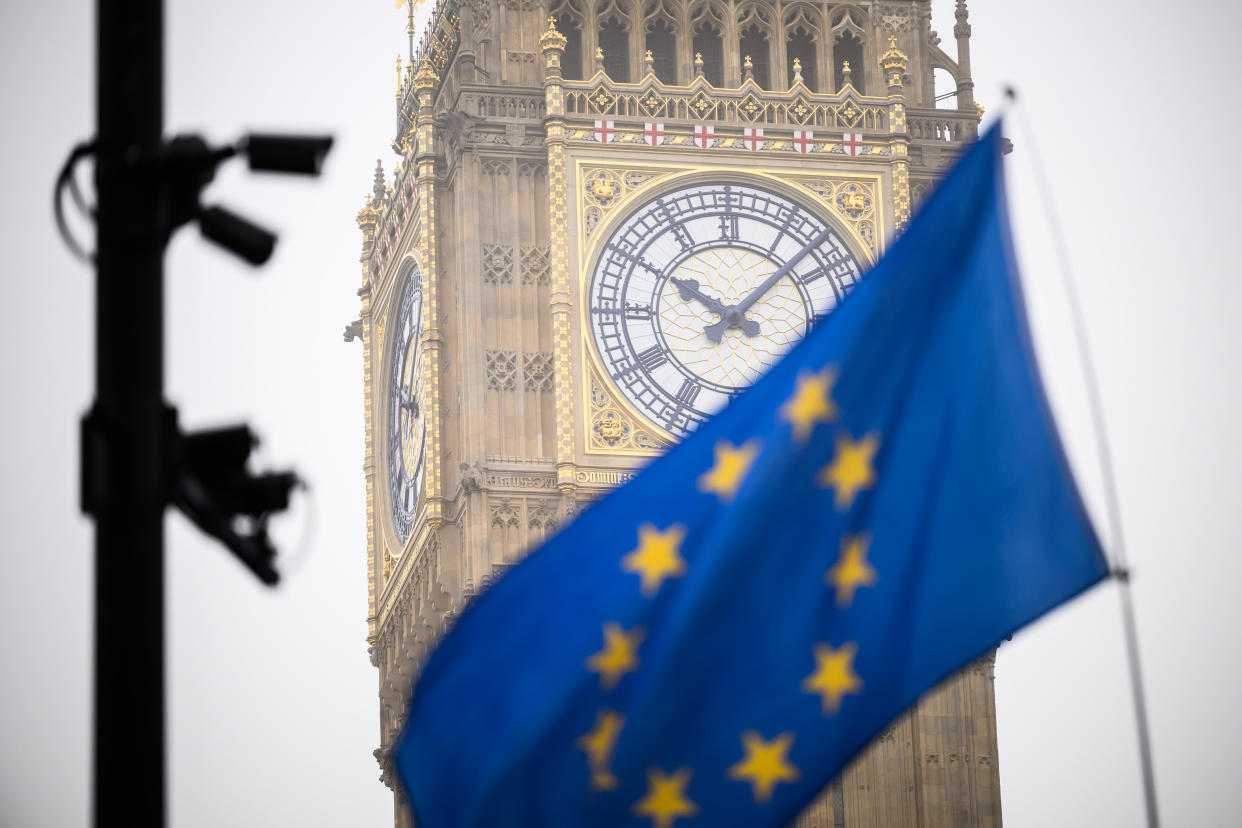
604,130
752,137
654,133
704,135
804,140
851,142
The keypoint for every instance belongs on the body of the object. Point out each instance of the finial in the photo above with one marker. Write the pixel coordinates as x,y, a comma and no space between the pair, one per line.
894,62
797,71
962,29
649,62
553,43
847,76
748,68
398,76
599,59
698,64
426,77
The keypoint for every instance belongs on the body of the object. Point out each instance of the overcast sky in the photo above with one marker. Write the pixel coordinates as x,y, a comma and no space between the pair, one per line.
273,712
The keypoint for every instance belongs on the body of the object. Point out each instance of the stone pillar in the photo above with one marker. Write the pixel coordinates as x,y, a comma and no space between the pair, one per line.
965,86
894,63
425,83
561,303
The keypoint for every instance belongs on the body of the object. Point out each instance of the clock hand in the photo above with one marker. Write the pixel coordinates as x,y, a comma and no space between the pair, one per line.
409,403
689,289
733,315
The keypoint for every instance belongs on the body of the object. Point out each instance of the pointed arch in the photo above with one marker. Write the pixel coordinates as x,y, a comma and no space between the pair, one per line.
661,29
615,29
571,22
848,37
708,33
756,31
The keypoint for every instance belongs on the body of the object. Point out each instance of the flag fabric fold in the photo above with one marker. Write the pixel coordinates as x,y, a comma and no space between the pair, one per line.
712,642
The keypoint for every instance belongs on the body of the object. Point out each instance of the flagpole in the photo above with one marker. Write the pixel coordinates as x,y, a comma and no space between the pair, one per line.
1121,568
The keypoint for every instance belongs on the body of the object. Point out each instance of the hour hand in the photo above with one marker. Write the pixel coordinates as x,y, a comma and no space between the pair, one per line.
409,403
689,289
731,318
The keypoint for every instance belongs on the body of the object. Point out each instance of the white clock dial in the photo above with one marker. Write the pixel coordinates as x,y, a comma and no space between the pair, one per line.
681,313
405,421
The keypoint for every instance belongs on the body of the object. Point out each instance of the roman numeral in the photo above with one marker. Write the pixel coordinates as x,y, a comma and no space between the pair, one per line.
652,358
687,394
642,312
811,276
728,227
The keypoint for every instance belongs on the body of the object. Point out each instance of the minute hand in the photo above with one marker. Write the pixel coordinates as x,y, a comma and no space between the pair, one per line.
732,317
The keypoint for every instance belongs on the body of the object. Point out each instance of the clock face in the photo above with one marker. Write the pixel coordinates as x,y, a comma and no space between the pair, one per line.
405,425
682,308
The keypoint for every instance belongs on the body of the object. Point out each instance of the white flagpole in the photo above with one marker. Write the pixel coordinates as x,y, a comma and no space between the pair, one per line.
1121,570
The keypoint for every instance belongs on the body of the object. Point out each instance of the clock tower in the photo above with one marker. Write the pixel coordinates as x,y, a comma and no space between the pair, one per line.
608,217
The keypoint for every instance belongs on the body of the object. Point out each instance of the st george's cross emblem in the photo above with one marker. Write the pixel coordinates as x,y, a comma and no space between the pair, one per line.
654,134
851,142
804,140
604,130
752,137
704,135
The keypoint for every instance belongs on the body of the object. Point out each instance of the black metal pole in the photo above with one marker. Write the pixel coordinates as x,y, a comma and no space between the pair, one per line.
127,435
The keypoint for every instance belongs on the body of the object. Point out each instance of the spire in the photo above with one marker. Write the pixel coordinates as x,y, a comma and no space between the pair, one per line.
377,189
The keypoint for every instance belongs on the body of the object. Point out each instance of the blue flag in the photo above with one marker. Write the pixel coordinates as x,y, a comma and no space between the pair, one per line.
713,642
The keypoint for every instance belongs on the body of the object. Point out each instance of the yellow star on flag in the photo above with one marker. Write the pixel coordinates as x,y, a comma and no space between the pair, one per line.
834,675
657,557
730,468
851,569
765,763
619,655
666,798
811,403
851,469
599,744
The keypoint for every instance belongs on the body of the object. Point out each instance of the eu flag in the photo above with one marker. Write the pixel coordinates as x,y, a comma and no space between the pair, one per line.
711,643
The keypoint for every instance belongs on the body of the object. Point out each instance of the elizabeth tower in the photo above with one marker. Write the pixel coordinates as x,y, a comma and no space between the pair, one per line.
580,190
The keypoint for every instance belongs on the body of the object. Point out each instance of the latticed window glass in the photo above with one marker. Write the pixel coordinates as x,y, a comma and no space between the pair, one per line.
710,45
801,46
661,44
754,44
615,41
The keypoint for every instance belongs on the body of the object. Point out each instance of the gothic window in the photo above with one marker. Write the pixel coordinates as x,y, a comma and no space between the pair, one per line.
661,44
849,48
754,44
709,44
615,41
801,46
571,61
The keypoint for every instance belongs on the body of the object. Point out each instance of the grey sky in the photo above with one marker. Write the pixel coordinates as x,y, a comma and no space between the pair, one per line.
272,700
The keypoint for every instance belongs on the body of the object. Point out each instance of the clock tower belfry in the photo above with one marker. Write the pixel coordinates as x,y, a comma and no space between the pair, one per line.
574,263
